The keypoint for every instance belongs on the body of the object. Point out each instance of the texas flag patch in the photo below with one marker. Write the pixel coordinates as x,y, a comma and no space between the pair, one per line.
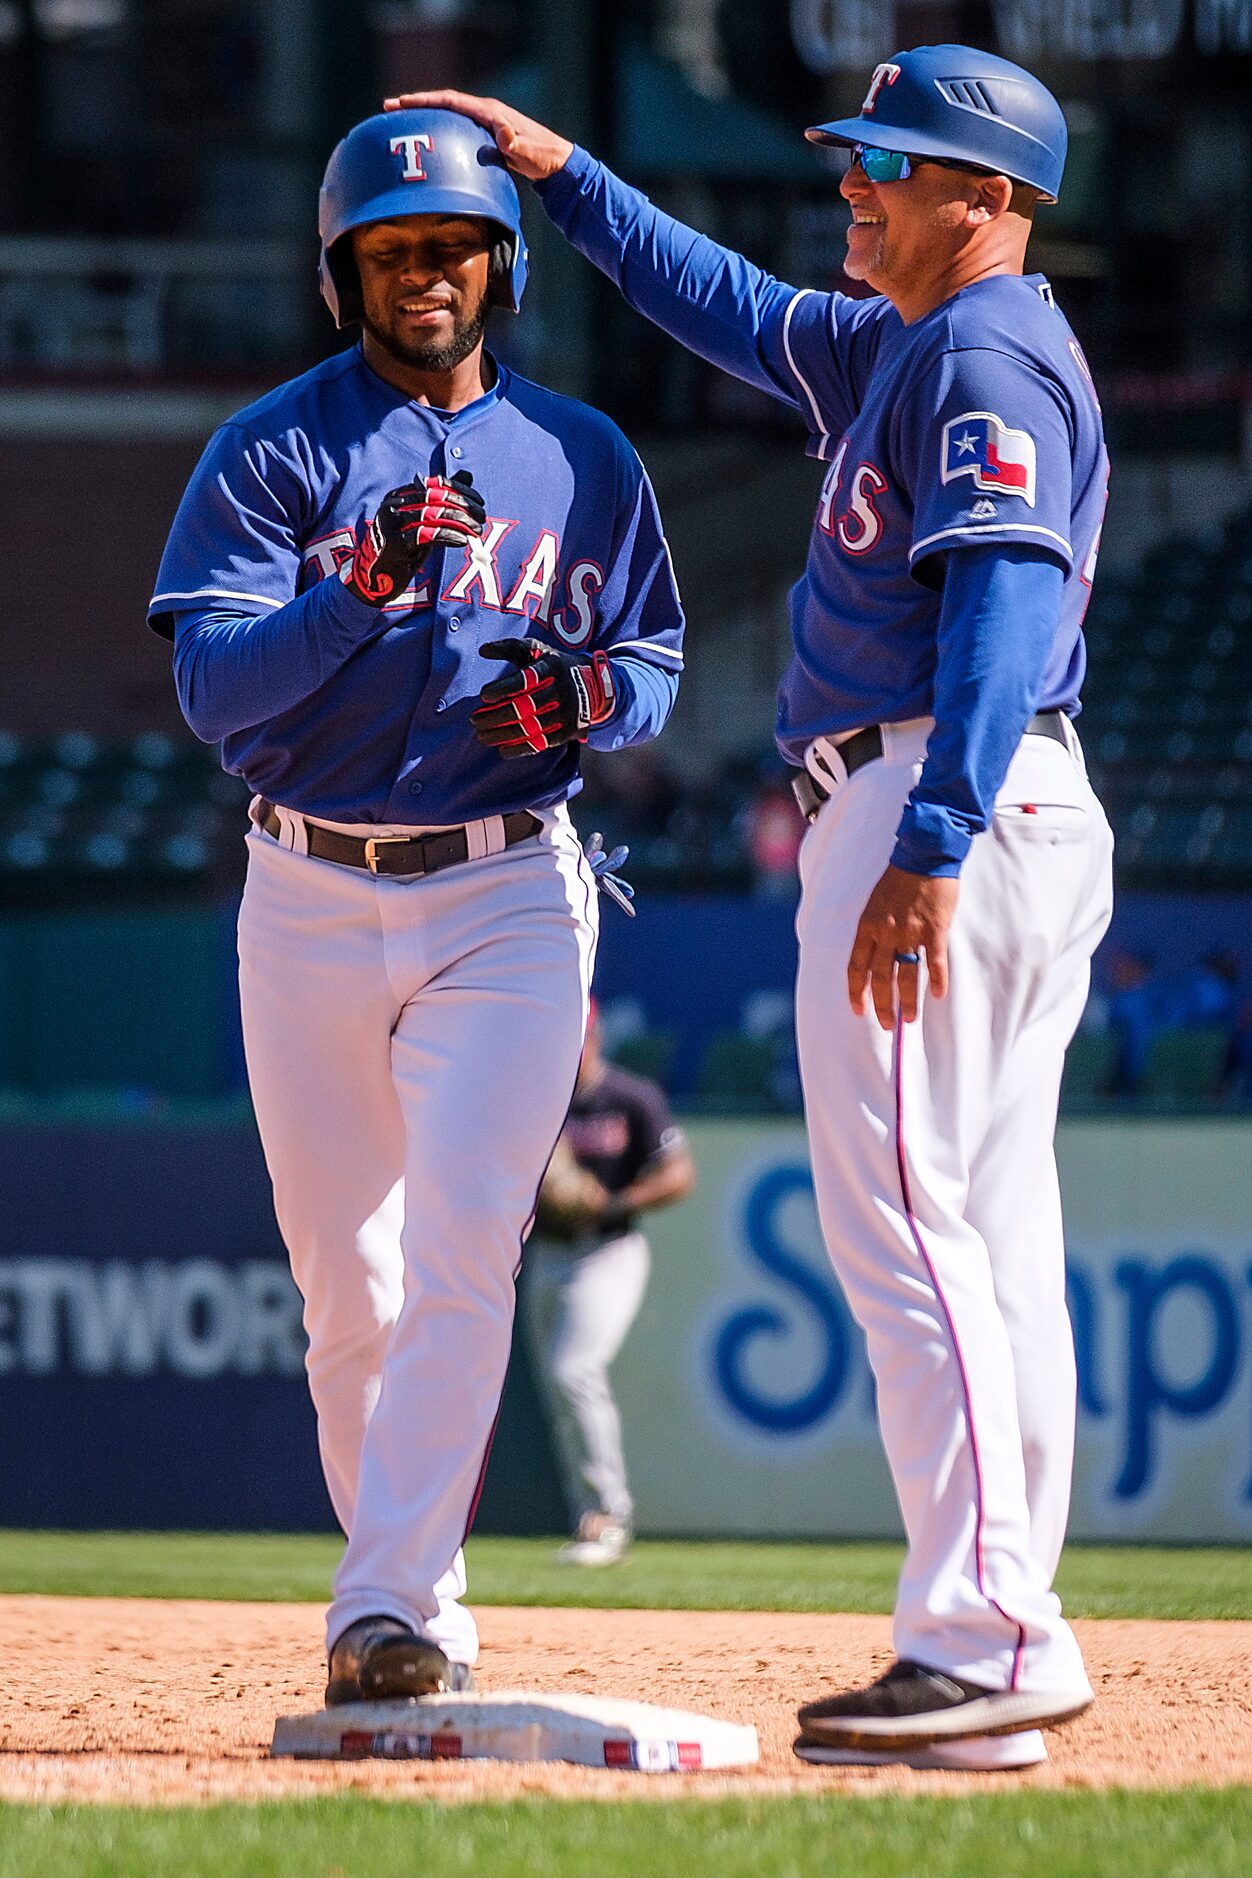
980,445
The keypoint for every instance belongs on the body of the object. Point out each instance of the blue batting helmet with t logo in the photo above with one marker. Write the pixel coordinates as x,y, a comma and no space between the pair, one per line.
416,163
964,105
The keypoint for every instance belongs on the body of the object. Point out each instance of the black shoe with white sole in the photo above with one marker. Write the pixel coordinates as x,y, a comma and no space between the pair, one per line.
912,1706
972,1754
379,1659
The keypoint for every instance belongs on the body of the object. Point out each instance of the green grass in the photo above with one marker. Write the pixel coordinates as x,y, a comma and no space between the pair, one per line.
1186,1834
725,1575
269,1567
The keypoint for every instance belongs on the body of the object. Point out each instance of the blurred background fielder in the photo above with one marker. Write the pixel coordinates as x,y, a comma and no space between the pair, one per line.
620,1154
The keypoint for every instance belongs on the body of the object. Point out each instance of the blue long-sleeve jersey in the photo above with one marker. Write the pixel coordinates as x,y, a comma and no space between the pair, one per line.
361,714
956,533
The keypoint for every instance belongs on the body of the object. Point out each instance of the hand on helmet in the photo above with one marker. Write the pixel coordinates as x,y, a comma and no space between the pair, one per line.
409,523
527,146
555,697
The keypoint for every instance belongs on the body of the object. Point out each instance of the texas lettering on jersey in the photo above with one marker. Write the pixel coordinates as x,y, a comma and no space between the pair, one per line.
855,523
530,585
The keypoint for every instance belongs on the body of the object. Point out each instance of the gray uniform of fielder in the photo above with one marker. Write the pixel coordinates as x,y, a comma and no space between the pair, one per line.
583,1292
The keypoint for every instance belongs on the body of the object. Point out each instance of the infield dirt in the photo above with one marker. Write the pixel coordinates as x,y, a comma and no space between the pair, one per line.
142,1701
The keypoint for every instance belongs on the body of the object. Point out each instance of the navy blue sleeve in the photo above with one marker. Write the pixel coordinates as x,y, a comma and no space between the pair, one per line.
788,342
233,670
997,623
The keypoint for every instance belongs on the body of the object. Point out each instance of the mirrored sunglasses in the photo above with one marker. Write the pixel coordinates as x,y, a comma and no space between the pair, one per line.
882,166
892,166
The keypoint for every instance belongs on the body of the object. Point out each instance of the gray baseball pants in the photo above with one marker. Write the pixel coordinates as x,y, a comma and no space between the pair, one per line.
578,1309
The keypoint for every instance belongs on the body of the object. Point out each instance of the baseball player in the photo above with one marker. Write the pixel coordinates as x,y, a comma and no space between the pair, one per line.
956,870
402,590
586,1272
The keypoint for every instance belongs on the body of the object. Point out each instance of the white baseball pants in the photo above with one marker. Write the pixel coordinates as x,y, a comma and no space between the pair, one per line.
412,1048
937,1192
579,1307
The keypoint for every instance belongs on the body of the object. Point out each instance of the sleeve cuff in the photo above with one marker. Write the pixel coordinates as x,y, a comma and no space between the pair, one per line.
560,191
931,841
610,735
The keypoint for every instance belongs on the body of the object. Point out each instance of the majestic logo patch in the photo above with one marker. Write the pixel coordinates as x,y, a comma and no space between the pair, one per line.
981,445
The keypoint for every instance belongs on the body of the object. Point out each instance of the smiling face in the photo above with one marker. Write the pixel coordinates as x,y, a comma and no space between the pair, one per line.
908,238
424,286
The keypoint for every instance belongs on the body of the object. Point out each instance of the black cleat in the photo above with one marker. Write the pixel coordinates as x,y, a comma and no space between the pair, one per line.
911,1706
379,1659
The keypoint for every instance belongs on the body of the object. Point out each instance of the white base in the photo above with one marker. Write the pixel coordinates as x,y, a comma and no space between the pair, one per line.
524,1726
979,1754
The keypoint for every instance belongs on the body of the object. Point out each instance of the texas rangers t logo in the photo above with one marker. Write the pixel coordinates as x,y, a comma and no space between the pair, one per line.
884,74
981,445
412,147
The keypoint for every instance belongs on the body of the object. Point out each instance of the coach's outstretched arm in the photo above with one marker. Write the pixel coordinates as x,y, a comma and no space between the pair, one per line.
709,298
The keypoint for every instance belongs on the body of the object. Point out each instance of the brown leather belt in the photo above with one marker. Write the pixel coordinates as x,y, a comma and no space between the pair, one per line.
395,855
867,745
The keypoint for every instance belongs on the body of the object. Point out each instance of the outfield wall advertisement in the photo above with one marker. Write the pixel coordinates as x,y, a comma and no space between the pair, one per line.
151,1349
748,1402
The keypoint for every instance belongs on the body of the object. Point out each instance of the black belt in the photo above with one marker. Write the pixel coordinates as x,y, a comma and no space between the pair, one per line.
866,745
397,854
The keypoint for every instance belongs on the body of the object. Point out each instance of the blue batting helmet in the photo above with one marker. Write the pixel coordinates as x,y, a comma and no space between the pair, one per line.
965,105
416,163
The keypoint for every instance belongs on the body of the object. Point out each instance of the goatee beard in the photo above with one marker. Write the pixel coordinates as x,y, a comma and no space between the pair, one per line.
437,356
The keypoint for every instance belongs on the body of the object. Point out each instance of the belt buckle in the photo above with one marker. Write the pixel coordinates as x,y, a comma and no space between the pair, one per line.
374,842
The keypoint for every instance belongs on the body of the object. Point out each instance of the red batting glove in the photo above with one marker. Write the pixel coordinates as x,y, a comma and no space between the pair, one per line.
554,698
409,523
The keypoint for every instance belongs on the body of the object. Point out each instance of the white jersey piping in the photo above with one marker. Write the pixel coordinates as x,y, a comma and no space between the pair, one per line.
638,645
1010,529
214,593
801,380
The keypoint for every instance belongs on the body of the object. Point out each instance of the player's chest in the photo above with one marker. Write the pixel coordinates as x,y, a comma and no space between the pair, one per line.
542,557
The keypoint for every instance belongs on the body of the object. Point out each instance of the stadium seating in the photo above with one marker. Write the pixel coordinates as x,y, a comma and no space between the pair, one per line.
153,810
1167,723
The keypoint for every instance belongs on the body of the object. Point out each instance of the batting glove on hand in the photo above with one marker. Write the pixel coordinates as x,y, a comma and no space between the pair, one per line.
409,523
555,697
